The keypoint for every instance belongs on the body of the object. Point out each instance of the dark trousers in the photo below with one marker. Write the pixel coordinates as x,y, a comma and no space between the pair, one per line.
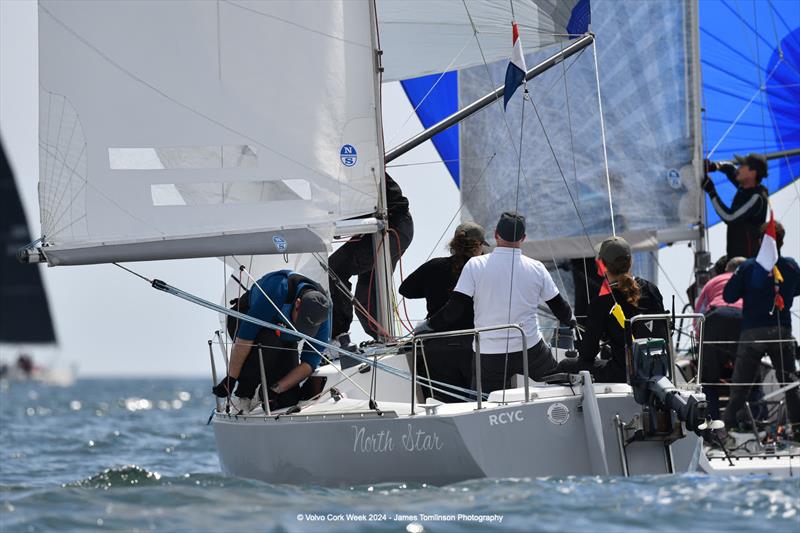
279,359
357,258
722,324
540,363
748,359
602,370
449,360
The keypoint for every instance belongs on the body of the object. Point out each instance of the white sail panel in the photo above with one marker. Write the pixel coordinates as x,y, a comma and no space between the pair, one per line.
429,36
645,80
180,128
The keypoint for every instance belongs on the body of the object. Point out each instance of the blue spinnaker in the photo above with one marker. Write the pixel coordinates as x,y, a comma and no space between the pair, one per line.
750,54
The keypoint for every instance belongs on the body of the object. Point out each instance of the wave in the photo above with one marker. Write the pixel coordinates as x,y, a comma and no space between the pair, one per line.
128,475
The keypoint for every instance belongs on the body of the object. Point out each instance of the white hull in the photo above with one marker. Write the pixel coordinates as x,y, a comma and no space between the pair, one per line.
344,443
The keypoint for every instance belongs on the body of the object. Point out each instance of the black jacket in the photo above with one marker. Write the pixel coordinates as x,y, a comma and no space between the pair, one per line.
601,325
435,281
396,203
744,217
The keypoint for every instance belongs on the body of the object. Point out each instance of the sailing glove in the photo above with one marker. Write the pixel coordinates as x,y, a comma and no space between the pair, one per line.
708,186
224,388
710,166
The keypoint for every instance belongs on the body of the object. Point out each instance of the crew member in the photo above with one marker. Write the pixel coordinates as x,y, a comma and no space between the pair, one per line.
587,283
723,322
635,296
766,329
505,287
447,359
287,299
749,207
357,258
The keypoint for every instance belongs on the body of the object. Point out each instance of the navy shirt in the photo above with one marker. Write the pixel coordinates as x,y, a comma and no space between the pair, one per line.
757,287
276,285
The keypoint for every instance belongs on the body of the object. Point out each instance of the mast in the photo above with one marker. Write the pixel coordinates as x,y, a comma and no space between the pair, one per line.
702,257
380,240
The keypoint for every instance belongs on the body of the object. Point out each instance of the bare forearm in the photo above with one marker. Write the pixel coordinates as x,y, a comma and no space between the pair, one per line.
295,376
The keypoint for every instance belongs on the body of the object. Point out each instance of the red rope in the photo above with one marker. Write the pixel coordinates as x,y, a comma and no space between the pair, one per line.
410,327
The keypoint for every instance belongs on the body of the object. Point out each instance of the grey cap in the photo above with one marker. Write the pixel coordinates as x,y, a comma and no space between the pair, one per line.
313,311
473,231
615,253
756,162
511,226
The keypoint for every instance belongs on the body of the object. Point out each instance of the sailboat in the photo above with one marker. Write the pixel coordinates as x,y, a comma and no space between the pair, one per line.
175,130
26,325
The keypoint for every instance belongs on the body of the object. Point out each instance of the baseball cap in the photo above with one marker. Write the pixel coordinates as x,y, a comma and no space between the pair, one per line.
313,311
511,226
473,231
756,162
615,253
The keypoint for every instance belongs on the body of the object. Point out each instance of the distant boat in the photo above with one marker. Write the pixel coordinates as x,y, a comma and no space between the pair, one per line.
26,325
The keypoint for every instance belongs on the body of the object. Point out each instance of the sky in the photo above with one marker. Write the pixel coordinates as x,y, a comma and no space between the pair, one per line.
109,322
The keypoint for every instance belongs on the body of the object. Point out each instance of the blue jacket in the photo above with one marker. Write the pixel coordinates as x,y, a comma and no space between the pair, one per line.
276,285
757,287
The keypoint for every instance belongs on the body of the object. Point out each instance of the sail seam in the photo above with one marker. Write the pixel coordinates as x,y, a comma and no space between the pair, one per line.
177,102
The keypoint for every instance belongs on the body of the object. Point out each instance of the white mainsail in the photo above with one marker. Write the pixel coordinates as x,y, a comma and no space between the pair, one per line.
192,128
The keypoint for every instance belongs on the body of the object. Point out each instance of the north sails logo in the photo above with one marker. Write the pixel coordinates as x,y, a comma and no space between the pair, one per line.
280,243
348,155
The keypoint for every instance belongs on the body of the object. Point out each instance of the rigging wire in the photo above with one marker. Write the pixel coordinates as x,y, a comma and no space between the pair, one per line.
438,161
654,255
293,329
422,101
603,137
516,210
126,269
743,111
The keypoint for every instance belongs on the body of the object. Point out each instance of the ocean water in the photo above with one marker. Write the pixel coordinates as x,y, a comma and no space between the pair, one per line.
136,455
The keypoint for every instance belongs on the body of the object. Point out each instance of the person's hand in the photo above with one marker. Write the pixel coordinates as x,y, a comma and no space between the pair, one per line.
709,166
422,327
708,186
224,388
573,323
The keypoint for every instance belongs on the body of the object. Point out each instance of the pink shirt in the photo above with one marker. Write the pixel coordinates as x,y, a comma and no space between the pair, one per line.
711,295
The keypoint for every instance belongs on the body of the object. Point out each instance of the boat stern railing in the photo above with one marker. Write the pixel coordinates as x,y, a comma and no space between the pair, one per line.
417,341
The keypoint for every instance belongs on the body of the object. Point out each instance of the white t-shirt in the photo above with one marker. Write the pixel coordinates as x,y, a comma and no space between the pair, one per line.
488,280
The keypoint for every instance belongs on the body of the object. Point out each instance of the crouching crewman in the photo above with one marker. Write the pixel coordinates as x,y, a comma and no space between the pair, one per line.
290,300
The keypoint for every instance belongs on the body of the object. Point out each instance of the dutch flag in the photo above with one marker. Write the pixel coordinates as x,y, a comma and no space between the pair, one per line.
768,258
515,73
